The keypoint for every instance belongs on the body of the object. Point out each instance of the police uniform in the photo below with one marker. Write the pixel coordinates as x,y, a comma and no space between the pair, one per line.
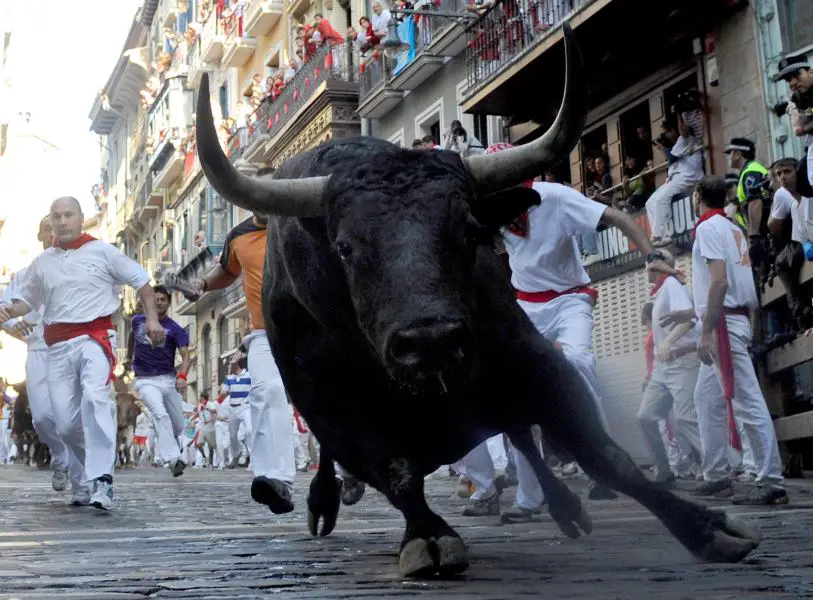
788,67
751,177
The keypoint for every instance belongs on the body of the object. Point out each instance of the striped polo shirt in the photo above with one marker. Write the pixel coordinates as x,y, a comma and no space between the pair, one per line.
238,387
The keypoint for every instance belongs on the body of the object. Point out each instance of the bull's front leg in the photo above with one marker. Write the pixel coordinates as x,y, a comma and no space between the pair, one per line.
324,496
430,546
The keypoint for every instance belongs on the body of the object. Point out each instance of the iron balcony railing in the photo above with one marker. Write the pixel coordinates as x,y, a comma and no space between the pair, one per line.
508,30
237,143
329,63
417,30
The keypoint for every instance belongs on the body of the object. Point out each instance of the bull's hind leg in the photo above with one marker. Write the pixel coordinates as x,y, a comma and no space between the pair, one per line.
570,418
564,506
323,496
430,546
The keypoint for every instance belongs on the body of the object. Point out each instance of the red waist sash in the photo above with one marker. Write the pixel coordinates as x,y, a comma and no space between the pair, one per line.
548,295
97,330
727,370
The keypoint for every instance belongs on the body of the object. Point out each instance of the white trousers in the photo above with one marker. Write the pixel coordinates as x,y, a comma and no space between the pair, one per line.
84,409
659,205
750,412
165,404
223,439
5,441
671,388
271,447
480,464
567,320
239,415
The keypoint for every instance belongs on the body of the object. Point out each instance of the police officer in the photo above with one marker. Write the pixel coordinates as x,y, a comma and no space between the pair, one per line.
753,198
796,71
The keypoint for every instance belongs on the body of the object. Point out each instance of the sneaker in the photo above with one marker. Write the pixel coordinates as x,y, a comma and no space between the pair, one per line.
485,507
59,481
599,491
102,497
517,514
177,466
570,469
762,495
714,489
80,497
746,477
275,494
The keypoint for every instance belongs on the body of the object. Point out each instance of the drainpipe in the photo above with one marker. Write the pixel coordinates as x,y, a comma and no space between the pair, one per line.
769,52
366,126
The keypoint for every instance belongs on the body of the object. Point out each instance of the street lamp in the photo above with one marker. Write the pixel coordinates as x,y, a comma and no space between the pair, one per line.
393,44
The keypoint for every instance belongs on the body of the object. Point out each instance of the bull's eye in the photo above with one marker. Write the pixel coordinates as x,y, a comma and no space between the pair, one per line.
344,249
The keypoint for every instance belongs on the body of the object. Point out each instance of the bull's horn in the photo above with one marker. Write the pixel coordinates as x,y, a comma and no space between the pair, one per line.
494,172
286,197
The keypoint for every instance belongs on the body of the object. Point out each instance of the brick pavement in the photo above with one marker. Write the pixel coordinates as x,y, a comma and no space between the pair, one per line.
201,537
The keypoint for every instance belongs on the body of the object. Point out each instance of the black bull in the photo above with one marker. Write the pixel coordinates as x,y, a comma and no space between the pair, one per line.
399,339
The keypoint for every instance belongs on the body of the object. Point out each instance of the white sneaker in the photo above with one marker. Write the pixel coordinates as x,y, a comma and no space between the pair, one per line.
59,481
102,497
80,497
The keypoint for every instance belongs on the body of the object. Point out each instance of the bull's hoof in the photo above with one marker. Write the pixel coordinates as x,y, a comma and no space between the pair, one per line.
569,514
453,556
416,560
732,541
323,503
352,491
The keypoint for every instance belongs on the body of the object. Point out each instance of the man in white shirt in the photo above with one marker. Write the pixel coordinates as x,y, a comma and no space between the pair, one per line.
685,169
674,376
76,282
552,288
381,19
724,293
29,328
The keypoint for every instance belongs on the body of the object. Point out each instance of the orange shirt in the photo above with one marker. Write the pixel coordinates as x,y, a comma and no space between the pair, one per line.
244,254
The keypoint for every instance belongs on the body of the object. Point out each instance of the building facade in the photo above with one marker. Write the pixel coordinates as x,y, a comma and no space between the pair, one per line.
496,67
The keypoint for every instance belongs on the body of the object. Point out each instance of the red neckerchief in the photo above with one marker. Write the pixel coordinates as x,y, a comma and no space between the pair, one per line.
77,243
661,280
706,216
649,352
519,226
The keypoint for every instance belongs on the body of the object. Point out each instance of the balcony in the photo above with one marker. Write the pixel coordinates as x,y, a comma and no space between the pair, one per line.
168,164
297,8
416,64
261,16
236,49
195,65
167,14
211,39
318,104
237,144
509,51
448,37
376,97
148,203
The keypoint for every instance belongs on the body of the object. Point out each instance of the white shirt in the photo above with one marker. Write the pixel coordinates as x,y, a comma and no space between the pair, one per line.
380,22
78,286
689,167
34,340
785,204
671,296
142,425
548,259
719,239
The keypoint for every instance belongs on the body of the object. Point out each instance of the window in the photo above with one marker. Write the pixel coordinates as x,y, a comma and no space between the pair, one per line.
225,346
224,100
397,138
206,353
796,20
476,125
203,224
220,217
480,129
430,121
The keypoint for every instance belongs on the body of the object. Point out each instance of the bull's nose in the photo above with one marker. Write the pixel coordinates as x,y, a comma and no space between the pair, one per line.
429,347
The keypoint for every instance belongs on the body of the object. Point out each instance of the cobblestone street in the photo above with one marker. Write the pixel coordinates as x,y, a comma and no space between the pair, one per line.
201,536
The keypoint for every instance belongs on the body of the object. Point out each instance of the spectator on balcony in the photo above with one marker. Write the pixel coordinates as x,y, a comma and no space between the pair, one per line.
381,18
637,188
457,139
326,30
428,142
290,71
366,38
685,169
417,144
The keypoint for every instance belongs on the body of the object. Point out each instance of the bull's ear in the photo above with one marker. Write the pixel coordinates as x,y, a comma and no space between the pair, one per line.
501,208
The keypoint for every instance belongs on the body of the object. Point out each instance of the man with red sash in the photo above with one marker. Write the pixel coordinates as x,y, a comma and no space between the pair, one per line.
553,289
673,377
76,282
727,385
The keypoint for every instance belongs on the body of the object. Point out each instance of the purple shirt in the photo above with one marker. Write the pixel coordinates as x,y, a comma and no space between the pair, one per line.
159,360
